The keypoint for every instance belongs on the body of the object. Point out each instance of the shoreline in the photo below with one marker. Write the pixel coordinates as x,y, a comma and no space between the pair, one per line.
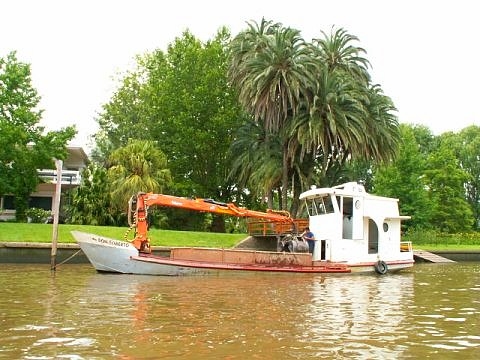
40,253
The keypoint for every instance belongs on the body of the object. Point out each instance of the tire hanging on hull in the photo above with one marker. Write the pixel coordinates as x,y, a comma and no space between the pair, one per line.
381,267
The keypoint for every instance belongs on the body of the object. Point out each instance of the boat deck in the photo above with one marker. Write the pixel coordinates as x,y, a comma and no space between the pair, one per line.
249,260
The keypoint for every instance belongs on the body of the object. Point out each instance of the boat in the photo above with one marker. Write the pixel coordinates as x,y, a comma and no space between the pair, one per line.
355,232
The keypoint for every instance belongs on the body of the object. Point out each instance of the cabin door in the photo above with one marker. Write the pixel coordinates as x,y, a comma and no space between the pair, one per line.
323,249
372,237
357,219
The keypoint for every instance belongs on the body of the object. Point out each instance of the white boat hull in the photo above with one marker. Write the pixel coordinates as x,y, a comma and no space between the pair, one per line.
110,255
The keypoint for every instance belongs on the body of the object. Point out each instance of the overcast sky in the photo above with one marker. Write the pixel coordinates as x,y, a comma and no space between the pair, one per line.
424,54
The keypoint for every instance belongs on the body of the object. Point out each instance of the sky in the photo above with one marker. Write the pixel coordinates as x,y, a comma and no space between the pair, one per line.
424,54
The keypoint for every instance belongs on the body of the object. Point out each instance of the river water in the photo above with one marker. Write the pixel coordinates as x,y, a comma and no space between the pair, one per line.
429,312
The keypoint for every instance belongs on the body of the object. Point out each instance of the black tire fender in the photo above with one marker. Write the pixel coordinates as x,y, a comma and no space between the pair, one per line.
381,267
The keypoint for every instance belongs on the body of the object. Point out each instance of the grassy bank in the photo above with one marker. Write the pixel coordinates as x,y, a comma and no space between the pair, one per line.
436,241
42,233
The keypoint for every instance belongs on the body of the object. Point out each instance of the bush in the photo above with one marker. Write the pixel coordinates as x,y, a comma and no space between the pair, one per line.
36,215
431,237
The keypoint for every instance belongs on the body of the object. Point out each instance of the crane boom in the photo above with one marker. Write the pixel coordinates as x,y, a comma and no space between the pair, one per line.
139,204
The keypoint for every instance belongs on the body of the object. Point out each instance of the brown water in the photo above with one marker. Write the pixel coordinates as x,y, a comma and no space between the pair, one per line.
431,311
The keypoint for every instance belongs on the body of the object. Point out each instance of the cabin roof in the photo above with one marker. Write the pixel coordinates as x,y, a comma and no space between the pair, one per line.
347,189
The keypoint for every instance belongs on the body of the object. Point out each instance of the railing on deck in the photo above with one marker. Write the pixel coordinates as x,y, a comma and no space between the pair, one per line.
268,227
406,246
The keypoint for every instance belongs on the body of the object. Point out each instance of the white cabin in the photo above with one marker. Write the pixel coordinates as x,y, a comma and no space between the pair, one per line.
355,227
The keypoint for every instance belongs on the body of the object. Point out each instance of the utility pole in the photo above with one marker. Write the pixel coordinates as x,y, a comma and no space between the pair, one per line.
55,210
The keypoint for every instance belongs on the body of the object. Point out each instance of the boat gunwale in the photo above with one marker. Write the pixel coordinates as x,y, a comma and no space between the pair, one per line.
327,268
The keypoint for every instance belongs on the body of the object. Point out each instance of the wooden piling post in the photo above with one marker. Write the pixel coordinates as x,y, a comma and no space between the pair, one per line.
55,210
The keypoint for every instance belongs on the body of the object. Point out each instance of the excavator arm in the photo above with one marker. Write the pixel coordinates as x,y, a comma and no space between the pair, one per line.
139,204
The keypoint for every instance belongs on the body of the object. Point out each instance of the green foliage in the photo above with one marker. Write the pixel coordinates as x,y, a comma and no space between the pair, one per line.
445,181
37,215
124,117
466,146
138,166
257,160
314,100
404,179
314,117
435,238
24,147
182,100
91,201
429,180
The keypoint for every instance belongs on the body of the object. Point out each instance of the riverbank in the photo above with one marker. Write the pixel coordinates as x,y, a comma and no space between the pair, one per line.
40,253
42,233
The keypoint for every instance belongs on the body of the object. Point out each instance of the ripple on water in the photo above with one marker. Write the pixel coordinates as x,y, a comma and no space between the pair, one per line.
67,341
80,314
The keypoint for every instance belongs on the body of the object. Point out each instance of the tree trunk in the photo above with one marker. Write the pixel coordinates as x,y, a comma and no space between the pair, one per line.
218,224
21,205
279,195
285,178
270,199
297,189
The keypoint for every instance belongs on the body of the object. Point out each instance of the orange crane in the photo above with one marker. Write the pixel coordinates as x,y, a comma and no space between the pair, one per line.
138,206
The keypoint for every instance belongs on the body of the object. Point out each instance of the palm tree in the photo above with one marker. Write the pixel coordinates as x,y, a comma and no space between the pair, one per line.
334,125
347,118
272,67
338,54
257,163
382,134
139,166
315,99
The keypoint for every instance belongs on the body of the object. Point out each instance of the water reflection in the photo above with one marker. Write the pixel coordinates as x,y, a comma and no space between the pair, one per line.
360,317
429,311
447,317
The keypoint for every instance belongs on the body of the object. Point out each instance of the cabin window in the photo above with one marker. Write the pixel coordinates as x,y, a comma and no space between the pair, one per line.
320,205
328,205
385,227
347,206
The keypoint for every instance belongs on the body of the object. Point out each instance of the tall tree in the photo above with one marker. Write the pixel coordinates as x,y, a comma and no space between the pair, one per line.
273,69
257,161
348,119
339,54
180,98
445,180
24,147
123,118
91,201
469,156
317,98
404,178
466,147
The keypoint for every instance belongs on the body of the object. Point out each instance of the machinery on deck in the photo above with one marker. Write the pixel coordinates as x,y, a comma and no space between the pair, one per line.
138,210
